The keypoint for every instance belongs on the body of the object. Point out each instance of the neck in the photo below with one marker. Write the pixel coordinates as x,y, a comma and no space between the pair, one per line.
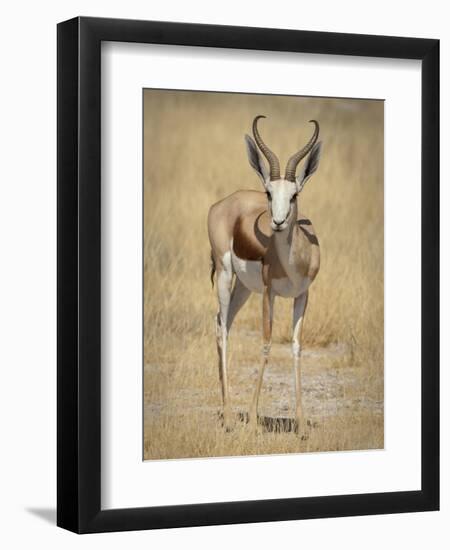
283,242
287,245
285,237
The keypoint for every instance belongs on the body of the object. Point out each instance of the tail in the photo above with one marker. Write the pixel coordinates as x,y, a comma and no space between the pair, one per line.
213,269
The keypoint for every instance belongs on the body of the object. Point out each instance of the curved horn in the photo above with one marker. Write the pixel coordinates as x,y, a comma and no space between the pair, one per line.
292,163
272,159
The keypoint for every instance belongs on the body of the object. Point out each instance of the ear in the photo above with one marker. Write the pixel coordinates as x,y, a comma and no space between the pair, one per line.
310,166
256,160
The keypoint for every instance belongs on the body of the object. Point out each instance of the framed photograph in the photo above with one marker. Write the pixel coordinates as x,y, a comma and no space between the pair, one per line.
248,275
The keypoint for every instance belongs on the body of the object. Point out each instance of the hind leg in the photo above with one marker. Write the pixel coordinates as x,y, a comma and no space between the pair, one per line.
224,283
267,311
239,296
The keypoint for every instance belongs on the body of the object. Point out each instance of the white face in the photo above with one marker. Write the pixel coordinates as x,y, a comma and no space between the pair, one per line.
282,195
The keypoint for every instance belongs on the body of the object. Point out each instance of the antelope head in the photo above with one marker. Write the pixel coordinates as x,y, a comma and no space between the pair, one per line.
282,191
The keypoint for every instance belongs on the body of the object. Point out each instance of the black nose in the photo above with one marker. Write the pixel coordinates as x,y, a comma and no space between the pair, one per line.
278,223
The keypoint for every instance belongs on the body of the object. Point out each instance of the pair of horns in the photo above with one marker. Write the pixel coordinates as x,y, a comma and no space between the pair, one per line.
272,159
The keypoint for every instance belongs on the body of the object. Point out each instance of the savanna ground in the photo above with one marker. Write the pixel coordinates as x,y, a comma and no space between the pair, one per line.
194,155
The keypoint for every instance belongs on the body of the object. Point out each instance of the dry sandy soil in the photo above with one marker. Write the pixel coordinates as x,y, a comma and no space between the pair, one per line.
343,407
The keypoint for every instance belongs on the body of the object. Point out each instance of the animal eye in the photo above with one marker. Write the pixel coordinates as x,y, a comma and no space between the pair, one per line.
294,197
269,196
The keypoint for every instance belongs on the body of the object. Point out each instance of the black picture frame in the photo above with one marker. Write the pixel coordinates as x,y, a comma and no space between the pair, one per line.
79,280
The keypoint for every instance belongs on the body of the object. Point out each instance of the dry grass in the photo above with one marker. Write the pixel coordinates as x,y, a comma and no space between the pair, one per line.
195,155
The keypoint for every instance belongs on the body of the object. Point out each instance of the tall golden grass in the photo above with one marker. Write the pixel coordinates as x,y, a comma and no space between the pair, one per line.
194,155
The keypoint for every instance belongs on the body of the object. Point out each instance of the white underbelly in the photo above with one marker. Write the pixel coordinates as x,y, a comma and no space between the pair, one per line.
287,289
248,272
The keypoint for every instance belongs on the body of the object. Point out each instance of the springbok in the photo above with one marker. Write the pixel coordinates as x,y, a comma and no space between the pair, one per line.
260,240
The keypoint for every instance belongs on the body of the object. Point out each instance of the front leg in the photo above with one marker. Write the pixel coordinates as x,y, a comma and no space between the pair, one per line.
267,317
300,304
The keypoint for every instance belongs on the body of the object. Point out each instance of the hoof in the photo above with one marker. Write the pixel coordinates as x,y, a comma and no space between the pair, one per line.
311,424
226,421
302,429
